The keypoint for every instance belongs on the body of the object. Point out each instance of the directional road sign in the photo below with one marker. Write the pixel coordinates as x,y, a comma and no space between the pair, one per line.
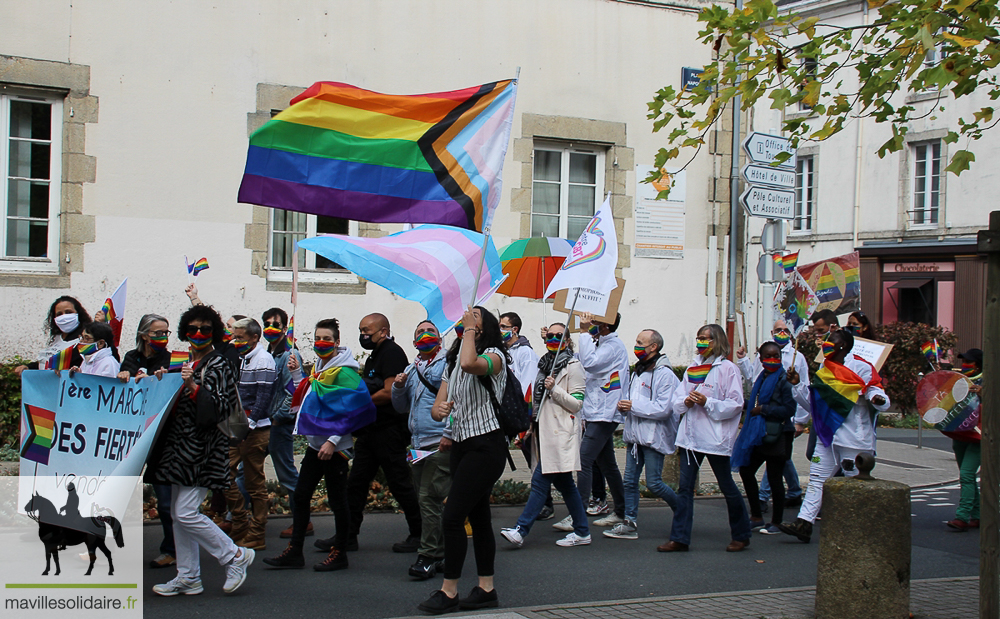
766,175
770,202
763,148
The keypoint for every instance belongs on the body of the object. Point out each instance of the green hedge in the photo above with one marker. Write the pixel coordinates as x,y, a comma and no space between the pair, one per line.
10,403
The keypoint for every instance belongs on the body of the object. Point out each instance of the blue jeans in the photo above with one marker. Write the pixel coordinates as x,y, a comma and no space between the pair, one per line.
793,489
637,457
541,485
597,451
281,450
163,501
739,521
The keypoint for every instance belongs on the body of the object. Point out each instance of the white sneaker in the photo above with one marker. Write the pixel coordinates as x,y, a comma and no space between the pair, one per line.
236,572
566,524
573,540
177,586
513,535
609,521
598,508
623,530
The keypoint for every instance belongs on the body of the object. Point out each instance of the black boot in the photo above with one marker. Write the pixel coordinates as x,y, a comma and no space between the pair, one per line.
290,558
336,560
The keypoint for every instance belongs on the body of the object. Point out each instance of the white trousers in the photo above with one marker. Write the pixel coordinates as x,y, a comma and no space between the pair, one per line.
825,464
192,530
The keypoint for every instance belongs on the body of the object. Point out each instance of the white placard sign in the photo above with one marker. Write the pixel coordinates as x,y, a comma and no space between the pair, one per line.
659,224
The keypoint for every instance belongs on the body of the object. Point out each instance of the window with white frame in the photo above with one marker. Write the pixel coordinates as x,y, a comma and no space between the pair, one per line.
805,192
567,188
288,227
31,157
926,183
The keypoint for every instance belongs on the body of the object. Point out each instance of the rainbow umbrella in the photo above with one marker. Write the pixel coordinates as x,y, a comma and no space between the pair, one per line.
530,264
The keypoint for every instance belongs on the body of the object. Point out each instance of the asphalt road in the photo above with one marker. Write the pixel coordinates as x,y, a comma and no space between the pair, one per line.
376,585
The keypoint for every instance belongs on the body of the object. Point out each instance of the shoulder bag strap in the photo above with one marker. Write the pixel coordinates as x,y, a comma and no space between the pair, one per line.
424,380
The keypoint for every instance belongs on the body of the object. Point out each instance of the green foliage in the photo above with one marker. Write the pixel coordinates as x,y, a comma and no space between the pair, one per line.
792,61
905,364
10,403
9,454
510,492
679,371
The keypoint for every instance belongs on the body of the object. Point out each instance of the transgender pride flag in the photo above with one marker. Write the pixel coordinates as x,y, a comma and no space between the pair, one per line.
435,266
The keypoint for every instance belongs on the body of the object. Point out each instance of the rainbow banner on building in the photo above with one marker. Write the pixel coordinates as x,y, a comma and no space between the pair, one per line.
834,391
343,151
334,402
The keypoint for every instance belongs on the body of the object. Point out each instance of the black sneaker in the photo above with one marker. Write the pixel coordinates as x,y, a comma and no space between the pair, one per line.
439,603
336,560
326,545
801,529
546,514
479,599
410,544
290,558
425,567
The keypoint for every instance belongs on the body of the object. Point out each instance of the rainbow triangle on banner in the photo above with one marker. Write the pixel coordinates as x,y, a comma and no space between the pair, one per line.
41,424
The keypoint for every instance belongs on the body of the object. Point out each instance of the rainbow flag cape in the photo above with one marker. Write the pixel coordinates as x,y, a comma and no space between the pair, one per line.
789,261
696,374
62,360
198,266
433,265
930,350
834,391
614,383
177,360
38,442
343,151
333,402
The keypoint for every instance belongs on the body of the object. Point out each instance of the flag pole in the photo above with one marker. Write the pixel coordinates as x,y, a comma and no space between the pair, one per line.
562,340
295,291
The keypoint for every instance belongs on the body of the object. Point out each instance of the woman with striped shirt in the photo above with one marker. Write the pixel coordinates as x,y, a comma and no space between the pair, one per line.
479,451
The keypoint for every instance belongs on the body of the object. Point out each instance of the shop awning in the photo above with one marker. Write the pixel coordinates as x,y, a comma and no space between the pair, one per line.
910,283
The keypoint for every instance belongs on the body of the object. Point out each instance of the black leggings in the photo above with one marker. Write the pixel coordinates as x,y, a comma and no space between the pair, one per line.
775,467
311,471
476,464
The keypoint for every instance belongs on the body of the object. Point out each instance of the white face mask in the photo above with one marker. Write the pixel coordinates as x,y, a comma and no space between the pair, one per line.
67,323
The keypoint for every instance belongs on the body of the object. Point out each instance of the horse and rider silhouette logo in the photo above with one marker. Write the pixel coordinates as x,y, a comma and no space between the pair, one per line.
59,529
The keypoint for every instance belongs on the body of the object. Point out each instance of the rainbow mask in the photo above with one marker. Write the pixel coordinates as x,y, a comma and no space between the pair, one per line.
273,334
427,341
323,349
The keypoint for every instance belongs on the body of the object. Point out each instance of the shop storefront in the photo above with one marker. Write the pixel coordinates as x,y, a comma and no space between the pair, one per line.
933,283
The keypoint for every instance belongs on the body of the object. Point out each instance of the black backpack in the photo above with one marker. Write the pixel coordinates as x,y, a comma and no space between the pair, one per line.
512,412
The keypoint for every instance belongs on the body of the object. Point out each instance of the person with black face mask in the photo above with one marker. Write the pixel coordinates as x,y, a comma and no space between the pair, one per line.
382,444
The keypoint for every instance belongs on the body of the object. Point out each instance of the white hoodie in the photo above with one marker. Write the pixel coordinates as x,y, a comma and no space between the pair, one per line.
101,363
711,428
343,358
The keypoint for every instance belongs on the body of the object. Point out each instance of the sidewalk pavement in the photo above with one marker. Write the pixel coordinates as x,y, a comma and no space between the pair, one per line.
938,598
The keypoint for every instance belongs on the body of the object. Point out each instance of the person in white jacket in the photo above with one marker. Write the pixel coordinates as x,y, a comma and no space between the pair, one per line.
97,345
650,428
856,435
710,402
326,458
605,362
791,360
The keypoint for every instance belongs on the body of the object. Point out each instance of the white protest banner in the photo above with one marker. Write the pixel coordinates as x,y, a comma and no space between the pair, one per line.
592,261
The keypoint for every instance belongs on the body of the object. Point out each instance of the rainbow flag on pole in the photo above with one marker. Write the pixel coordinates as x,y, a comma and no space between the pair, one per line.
114,310
198,266
834,391
290,333
177,360
343,151
333,402
433,265
931,351
62,360
40,426
789,261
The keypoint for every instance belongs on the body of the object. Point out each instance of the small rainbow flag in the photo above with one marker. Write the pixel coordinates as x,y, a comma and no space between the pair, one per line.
343,151
697,374
930,350
199,265
777,260
789,261
290,332
177,360
614,383
416,455
40,434
62,360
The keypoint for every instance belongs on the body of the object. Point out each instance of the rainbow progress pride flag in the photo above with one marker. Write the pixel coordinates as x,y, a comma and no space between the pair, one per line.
333,402
834,391
342,151
38,442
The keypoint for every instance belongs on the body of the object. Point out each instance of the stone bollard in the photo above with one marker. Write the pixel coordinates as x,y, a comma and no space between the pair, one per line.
864,548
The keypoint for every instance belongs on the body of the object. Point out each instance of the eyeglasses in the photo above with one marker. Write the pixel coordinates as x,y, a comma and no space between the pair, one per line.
551,336
162,333
275,324
204,330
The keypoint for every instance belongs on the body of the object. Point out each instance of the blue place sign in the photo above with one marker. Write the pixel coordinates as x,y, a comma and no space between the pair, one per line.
690,77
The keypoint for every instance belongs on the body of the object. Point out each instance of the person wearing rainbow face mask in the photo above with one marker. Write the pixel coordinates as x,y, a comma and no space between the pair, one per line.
280,444
794,364
413,393
256,387
98,350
